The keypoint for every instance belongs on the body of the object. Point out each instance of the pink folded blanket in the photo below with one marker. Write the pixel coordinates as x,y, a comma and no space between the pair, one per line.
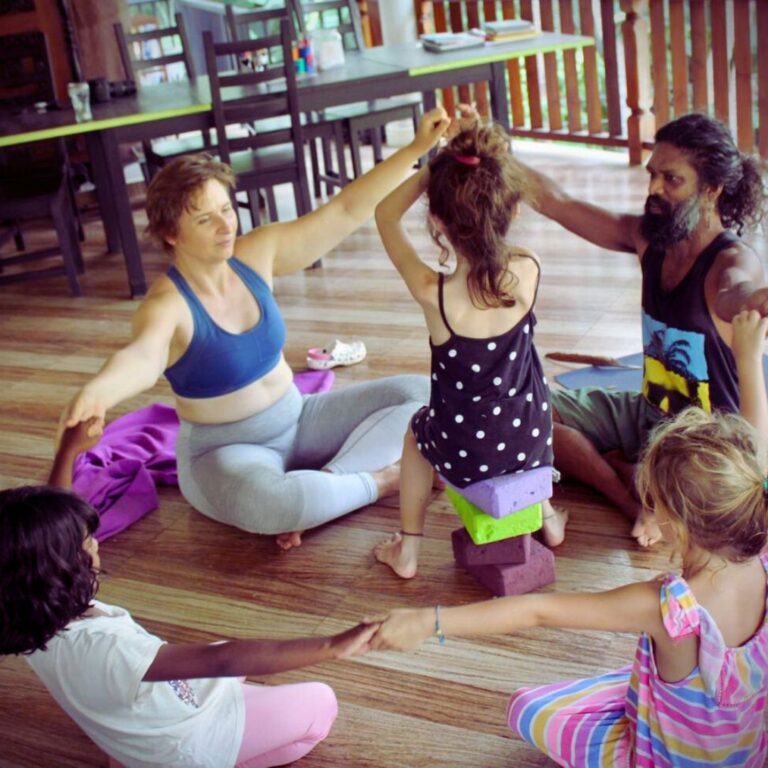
136,453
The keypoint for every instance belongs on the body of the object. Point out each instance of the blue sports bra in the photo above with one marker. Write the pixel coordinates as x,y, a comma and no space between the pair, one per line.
218,362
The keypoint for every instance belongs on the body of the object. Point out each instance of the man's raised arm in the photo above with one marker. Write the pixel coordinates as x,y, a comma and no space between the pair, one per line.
616,232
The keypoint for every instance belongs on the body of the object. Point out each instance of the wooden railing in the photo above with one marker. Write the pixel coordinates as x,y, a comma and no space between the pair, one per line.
652,61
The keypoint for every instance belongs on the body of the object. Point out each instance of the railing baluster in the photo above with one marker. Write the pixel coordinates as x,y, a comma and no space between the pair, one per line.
551,80
441,25
532,74
660,78
762,81
591,84
611,62
679,56
456,25
640,123
480,88
572,97
742,62
513,73
718,25
699,55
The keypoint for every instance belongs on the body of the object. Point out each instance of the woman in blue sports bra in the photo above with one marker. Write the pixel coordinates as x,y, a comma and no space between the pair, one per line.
252,452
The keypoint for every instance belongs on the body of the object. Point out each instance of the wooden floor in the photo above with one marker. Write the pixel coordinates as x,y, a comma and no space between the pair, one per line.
187,578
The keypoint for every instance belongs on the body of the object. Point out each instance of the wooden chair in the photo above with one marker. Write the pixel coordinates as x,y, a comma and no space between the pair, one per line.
260,156
253,24
154,50
149,50
368,117
34,191
34,179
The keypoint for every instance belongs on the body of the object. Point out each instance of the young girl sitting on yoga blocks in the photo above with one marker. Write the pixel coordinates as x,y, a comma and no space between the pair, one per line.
489,412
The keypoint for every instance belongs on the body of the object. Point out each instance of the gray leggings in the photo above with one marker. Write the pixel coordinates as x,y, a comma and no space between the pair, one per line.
262,474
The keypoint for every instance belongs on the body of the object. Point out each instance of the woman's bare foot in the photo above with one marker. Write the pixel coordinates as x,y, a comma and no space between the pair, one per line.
387,479
400,553
646,530
553,522
289,540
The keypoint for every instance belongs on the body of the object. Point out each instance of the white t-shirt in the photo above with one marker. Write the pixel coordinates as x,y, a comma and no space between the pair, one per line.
94,670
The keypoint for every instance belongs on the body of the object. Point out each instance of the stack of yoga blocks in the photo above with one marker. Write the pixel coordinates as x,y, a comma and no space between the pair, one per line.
495,544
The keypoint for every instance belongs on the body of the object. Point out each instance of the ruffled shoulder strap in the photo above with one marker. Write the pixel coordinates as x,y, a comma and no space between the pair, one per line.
732,675
679,609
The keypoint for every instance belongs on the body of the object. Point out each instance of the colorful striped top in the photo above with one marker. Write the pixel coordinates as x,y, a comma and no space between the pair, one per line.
714,716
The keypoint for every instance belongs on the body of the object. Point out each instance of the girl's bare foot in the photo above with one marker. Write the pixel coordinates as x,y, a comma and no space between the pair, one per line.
400,553
646,530
553,522
289,540
387,479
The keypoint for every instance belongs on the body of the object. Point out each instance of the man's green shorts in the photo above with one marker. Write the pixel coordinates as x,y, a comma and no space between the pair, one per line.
611,420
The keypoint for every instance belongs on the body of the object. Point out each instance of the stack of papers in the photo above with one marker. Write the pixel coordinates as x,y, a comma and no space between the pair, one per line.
505,30
438,42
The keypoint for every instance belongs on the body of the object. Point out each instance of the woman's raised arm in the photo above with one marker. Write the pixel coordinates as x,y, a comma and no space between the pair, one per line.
287,247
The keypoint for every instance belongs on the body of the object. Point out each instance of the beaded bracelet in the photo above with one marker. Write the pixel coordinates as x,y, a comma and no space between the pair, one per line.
438,629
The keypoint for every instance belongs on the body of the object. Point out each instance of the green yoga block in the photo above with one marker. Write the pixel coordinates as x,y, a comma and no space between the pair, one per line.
484,529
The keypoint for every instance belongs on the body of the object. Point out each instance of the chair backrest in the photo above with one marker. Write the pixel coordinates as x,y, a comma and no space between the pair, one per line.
247,96
256,24
25,71
141,51
342,15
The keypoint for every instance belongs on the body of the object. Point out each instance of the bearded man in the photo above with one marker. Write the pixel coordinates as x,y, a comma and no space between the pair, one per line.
696,275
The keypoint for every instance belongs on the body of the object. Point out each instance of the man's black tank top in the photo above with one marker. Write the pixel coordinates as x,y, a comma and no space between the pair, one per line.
685,362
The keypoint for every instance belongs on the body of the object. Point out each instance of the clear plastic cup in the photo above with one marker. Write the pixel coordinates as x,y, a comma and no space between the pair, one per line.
80,96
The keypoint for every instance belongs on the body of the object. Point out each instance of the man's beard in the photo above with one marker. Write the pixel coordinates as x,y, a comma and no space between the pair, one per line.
671,224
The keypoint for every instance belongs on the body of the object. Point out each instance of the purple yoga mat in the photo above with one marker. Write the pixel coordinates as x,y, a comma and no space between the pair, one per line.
136,453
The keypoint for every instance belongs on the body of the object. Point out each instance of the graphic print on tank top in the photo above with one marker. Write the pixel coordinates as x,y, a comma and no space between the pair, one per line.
686,362
675,372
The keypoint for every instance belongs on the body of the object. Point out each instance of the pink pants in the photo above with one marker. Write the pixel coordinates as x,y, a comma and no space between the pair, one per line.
284,722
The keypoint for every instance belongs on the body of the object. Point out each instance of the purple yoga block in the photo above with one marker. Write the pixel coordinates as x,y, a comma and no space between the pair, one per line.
500,496
466,553
519,578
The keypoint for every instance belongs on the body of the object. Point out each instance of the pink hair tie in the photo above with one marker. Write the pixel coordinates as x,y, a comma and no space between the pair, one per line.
468,159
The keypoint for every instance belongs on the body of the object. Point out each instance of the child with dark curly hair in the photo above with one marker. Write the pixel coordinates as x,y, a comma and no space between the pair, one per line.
489,411
143,701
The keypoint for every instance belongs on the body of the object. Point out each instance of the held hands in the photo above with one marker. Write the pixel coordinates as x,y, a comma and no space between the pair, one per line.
758,300
354,641
749,331
403,629
85,406
432,127
81,437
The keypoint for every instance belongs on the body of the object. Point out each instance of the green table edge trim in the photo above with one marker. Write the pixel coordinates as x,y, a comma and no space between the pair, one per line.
92,126
501,56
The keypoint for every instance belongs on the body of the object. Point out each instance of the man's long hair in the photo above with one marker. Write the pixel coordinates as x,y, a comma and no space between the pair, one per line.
709,147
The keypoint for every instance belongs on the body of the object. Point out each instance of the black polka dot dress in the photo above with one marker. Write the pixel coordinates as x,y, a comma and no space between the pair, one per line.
489,411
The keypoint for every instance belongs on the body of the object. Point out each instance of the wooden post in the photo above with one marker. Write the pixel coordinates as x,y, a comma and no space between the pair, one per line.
641,122
92,21
370,15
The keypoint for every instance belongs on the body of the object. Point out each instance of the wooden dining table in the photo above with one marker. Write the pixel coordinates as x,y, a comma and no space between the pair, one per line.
176,107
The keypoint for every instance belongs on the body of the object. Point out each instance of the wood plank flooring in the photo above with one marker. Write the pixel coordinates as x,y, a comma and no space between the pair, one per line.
190,579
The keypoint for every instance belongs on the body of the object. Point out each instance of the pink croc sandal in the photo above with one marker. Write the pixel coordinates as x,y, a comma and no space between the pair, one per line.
338,353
